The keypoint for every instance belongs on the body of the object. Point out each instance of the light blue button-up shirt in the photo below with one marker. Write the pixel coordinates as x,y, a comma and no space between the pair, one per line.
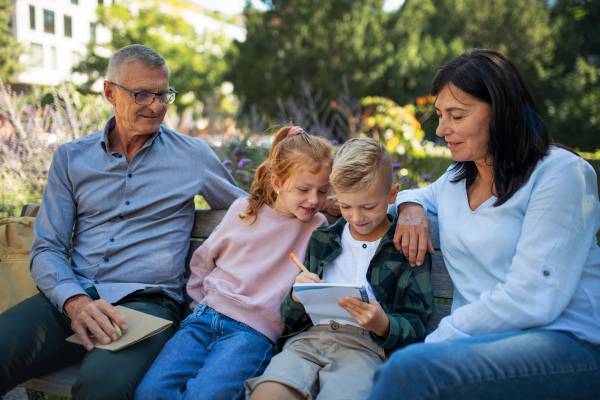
532,262
133,220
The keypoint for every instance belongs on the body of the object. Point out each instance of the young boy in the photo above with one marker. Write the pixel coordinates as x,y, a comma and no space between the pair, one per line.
337,358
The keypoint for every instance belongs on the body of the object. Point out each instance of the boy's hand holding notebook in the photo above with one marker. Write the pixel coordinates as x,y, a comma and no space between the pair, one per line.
320,300
141,326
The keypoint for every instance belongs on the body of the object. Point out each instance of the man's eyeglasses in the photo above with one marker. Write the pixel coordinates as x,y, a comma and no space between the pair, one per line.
147,98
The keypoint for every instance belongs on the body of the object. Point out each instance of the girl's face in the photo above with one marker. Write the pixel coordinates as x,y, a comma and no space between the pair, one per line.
302,195
464,124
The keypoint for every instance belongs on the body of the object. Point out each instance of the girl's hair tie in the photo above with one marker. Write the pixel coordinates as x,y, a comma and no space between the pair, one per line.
294,131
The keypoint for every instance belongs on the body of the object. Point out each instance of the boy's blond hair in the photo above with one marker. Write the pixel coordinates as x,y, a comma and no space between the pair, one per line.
360,162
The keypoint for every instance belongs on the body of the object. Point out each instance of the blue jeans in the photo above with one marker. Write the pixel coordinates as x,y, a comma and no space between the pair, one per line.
209,358
530,364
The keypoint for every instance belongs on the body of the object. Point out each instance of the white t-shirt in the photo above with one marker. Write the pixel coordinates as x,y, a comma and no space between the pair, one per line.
351,266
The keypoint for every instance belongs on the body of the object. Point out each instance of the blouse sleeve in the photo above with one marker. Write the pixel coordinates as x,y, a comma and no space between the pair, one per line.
558,227
425,196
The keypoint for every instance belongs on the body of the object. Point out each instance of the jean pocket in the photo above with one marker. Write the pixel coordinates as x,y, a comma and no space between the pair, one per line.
198,311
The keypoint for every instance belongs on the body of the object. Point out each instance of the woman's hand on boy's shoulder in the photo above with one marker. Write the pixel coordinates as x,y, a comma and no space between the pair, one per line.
412,237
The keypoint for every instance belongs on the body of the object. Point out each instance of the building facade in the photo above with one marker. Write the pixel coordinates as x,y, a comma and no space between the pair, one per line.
55,34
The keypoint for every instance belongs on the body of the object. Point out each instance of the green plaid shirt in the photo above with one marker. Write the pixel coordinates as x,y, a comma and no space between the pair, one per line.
405,293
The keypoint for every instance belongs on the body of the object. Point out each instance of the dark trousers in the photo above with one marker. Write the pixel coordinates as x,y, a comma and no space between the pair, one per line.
32,344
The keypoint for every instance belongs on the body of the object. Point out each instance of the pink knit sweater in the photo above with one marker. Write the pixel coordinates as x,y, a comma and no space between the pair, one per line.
244,271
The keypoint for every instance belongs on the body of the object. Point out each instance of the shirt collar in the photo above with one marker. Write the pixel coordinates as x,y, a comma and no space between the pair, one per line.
338,227
110,125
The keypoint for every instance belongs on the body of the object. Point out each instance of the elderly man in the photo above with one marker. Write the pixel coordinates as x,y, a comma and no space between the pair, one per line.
126,194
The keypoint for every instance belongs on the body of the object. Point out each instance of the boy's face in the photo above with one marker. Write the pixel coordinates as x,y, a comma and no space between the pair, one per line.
366,210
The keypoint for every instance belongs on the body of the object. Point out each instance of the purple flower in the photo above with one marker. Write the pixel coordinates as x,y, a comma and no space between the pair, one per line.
239,172
44,172
396,166
230,171
227,162
413,187
1,209
404,180
239,151
335,143
426,177
243,162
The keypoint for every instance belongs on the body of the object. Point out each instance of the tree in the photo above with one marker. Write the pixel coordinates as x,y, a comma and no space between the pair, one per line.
318,43
572,102
10,49
196,61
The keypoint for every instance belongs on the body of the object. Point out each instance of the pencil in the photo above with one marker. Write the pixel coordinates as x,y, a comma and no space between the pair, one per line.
117,328
298,263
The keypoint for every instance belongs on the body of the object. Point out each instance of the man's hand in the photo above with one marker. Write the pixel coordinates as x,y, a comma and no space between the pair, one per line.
95,316
412,236
305,277
368,315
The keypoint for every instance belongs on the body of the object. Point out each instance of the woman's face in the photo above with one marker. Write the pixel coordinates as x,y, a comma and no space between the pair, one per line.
464,124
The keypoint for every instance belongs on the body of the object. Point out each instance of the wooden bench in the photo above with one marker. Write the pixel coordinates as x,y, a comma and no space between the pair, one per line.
60,382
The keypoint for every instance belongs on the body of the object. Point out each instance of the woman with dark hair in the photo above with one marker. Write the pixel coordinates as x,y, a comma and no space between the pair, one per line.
518,217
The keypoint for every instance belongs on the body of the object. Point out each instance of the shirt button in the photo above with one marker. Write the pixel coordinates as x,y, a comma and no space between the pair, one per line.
106,260
334,325
127,203
120,155
546,272
129,175
121,217
112,239
364,246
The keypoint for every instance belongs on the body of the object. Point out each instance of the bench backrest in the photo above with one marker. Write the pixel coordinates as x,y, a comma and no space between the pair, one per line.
206,220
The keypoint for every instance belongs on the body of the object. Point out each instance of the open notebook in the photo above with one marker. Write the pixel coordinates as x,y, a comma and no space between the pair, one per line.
320,300
141,326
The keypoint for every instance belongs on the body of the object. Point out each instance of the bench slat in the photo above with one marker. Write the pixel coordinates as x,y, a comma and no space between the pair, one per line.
439,312
205,221
440,280
58,382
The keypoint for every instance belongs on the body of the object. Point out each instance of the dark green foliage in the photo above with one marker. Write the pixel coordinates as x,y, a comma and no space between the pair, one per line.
396,55
10,49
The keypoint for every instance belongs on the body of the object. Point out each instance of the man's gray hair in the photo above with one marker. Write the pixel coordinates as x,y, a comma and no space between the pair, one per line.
135,52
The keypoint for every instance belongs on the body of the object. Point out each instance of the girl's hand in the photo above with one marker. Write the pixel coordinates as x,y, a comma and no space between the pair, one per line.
368,315
306,277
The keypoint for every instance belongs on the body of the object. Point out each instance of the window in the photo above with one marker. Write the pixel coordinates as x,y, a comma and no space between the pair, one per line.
92,31
48,21
100,2
37,55
68,27
53,57
32,18
74,1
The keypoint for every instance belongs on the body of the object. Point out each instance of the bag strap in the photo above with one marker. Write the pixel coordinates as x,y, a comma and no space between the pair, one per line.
30,210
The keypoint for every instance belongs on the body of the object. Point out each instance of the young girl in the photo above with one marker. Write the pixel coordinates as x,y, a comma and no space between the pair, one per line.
242,273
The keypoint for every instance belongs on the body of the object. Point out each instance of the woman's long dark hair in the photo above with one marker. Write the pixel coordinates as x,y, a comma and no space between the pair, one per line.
519,136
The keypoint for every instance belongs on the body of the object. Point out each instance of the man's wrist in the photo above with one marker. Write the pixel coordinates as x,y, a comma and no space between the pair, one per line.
72,299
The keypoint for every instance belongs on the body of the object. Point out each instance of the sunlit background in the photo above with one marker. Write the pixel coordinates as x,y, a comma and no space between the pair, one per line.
339,68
